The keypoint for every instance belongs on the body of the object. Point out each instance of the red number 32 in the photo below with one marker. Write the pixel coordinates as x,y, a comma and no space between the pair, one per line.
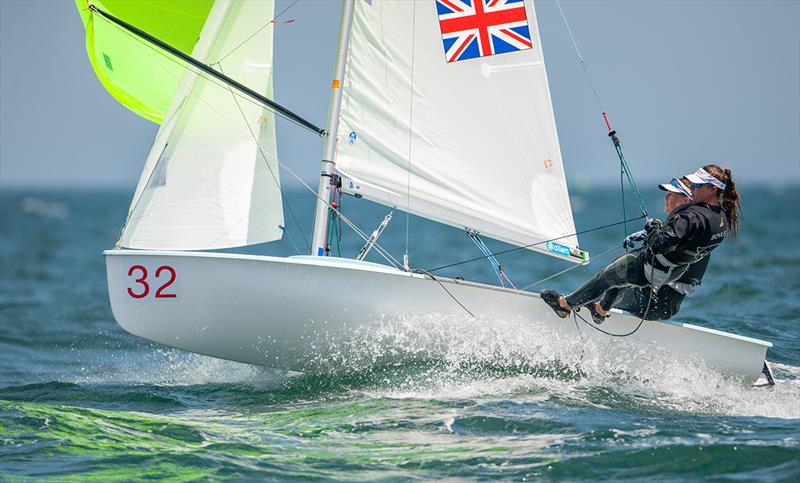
140,272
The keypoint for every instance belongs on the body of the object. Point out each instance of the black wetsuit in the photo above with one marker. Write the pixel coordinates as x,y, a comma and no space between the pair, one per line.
688,235
667,301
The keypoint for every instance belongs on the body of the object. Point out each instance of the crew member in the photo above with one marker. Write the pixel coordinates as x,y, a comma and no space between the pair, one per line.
688,235
667,301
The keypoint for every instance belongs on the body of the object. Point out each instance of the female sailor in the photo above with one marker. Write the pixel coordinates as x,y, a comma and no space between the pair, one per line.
641,301
689,234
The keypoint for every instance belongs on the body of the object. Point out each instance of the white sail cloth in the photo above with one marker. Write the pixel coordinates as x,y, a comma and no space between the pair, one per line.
211,179
432,127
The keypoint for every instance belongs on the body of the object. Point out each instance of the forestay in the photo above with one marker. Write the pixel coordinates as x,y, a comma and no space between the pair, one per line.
446,113
211,179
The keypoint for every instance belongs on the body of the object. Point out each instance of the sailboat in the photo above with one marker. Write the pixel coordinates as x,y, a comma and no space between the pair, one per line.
439,108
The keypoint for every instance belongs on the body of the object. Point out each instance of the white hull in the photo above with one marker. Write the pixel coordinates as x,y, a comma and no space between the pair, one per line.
278,311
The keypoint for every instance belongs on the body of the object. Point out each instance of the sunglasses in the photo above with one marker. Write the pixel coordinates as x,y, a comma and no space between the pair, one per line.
677,184
699,185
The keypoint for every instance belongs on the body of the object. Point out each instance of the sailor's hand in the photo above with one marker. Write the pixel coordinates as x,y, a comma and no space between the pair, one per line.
630,240
652,224
637,236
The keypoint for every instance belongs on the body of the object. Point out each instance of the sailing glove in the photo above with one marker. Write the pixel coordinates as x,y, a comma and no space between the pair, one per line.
652,224
630,240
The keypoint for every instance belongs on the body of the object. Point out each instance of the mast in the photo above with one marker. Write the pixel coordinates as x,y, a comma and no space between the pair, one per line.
324,191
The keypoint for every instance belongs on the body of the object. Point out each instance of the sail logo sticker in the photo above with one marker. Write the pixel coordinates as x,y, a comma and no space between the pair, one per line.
481,28
107,61
558,248
353,137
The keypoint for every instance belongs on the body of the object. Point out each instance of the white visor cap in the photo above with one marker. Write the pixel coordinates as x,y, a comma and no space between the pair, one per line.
675,186
701,176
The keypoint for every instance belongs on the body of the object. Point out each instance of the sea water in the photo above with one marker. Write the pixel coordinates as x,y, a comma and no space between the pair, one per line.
440,398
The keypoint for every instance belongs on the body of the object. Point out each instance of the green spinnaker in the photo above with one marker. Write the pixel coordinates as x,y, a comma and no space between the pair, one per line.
140,76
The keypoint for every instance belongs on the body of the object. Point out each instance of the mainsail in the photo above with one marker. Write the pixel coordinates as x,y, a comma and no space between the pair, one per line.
211,179
446,113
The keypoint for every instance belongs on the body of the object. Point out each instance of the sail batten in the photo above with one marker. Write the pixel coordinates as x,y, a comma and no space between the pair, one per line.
456,125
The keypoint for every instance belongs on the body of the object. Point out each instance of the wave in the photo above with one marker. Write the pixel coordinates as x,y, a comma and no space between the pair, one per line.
31,205
446,358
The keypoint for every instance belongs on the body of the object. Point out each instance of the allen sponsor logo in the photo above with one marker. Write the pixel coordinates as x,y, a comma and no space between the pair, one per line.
558,248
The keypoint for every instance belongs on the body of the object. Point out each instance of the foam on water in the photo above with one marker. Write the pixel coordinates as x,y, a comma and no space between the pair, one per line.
443,358
483,359
173,367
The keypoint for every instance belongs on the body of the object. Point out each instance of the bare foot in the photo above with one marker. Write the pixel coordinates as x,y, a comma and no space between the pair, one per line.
599,309
562,302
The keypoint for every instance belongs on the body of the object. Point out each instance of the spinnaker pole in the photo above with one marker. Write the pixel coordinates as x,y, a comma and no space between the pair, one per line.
318,239
274,106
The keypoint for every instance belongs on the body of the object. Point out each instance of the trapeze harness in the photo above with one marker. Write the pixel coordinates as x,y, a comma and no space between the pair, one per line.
690,233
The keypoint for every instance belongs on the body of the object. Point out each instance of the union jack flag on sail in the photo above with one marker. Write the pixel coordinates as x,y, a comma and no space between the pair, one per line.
480,28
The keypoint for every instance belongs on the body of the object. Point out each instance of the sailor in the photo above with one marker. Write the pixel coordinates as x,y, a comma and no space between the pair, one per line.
641,301
688,236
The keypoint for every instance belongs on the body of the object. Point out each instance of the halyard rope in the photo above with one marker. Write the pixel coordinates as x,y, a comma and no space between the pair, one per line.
624,168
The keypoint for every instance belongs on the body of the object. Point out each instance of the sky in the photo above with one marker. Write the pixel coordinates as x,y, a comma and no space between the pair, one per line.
684,82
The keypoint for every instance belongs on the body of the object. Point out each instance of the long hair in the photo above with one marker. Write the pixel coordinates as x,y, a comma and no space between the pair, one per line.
731,201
